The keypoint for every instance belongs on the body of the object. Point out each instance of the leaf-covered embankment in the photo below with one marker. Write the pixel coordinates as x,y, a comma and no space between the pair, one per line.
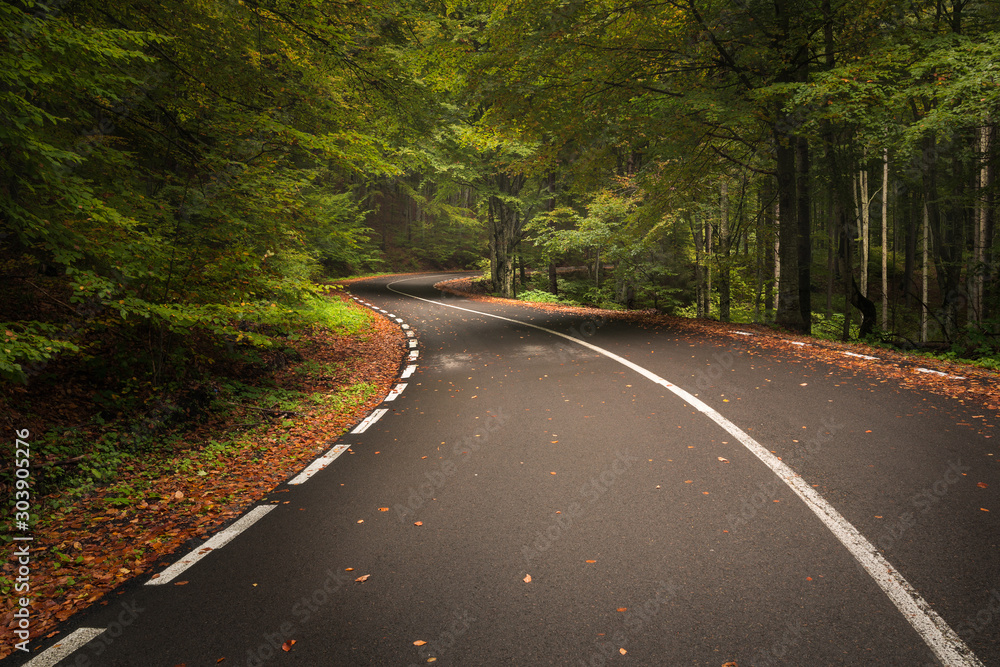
88,542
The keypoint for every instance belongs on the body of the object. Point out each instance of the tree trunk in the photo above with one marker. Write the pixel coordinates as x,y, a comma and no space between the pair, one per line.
804,227
789,314
724,241
885,239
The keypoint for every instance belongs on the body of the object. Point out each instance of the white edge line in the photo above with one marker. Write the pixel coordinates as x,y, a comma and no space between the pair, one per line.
215,542
52,655
936,633
408,372
369,420
396,391
319,464
413,355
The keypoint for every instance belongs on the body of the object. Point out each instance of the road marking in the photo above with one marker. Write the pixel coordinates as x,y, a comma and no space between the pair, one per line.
933,372
52,655
936,633
217,541
319,464
413,343
396,391
413,355
369,420
862,356
399,319
408,372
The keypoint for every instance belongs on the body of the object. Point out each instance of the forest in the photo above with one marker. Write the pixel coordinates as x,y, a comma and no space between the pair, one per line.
182,181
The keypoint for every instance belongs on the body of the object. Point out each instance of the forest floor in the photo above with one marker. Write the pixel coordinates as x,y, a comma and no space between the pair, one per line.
956,380
84,549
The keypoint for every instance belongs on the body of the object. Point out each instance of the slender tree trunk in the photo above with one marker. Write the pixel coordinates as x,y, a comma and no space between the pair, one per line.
804,232
724,241
885,239
923,271
707,294
789,313
699,265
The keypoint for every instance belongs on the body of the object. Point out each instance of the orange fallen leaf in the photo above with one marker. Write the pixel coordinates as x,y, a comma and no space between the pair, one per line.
179,583
418,523
363,578
982,485
591,561
419,642
622,608
383,509
722,459
622,651
527,578
984,509
219,660
689,481
361,520
348,569
551,473
287,646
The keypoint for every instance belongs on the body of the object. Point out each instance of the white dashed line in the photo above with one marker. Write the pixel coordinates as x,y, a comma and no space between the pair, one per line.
743,333
217,541
51,656
933,372
862,356
936,633
396,391
409,371
319,464
369,420
412,343
413,355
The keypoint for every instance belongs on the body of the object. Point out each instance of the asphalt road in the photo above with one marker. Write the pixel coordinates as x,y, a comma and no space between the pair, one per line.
652,530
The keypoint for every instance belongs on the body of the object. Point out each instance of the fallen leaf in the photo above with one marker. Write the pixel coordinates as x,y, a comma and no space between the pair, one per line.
527,578
363,578
179,583
591,561
348,569
419,642
622,651
730,664
178,495
418,523
219,660
287,646
361,520
432,659
551,473
984,509
622,608
982,485
724,460
689,481
383,509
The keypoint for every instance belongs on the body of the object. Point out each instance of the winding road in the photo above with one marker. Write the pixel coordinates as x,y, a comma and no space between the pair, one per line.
547,488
